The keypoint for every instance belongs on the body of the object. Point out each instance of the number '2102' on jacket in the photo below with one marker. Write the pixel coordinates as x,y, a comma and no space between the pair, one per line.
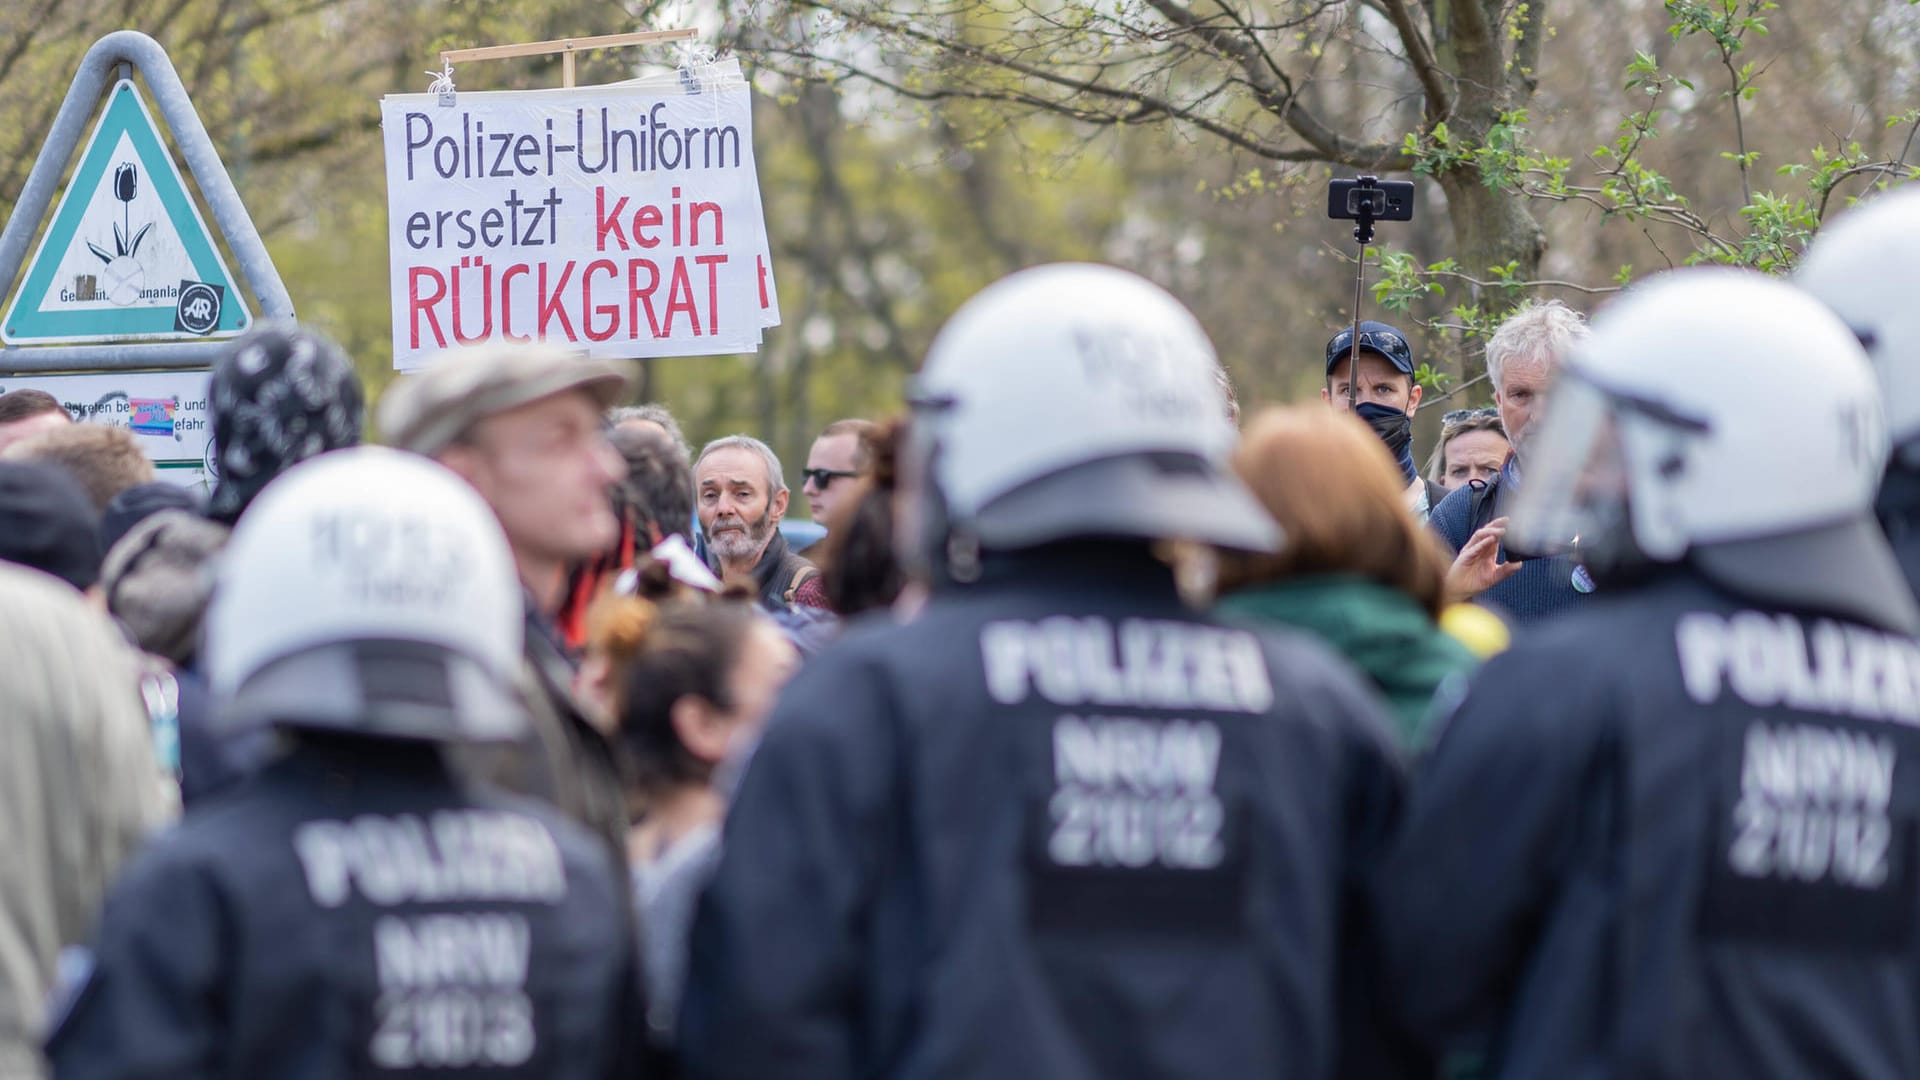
1674,836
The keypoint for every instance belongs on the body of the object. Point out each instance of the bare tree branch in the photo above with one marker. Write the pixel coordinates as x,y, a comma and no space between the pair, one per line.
25,39
1544,283
1278,95
1432,79
1146,105
1147,108
295,144
1883,168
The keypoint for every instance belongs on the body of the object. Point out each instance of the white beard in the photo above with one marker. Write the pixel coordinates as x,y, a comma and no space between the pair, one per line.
740,545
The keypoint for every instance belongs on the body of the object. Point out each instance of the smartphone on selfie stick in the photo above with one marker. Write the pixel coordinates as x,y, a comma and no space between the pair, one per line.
1364,200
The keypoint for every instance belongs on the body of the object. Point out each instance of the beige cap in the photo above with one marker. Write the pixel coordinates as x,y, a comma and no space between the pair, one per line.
428,411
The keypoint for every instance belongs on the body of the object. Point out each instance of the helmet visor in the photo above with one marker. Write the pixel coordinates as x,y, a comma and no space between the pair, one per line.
1576,492
1573,483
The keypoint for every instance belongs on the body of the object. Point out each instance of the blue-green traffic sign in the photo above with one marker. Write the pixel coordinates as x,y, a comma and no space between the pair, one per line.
127,256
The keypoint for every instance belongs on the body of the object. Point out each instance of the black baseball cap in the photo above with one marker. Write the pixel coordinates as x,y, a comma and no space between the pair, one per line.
47,522
1375,337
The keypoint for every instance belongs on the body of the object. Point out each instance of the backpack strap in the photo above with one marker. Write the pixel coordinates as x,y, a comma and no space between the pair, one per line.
801,574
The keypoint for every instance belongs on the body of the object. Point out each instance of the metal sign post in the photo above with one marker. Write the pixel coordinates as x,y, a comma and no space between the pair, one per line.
97,74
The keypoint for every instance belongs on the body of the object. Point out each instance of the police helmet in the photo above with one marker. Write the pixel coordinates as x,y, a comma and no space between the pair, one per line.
368,591
1861,266
1072,401
1728,419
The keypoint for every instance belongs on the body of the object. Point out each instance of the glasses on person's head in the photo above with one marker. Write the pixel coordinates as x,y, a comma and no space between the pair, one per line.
1385,342
822,477
1455,416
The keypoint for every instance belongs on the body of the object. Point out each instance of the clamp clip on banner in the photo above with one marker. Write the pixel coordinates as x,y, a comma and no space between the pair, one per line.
442,86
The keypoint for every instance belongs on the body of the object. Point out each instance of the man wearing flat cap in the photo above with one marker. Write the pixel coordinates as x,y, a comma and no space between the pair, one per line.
521,423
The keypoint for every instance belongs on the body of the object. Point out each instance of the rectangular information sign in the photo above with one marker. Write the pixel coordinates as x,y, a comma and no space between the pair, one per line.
167,412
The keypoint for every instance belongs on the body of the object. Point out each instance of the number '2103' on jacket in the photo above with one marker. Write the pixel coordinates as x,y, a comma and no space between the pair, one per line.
1057,826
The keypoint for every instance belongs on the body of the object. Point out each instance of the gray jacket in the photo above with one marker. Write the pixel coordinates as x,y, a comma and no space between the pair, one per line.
80,786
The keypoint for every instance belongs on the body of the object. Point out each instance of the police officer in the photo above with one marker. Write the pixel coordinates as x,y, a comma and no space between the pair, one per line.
1057,825
1673,835
1861,266
354,911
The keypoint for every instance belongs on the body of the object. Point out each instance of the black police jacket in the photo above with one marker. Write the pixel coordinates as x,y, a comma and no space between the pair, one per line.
352,912
1057,826
1898,509
1672,836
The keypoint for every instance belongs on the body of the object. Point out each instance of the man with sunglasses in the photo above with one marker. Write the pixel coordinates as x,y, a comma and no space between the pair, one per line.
836,459
1376,382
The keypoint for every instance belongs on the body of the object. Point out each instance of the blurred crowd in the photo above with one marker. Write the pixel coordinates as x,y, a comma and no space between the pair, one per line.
1085,730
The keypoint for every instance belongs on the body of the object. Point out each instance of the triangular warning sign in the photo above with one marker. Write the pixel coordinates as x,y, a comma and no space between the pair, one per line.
128,256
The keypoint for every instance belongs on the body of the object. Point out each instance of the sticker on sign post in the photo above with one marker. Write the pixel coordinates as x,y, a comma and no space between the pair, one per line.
127,256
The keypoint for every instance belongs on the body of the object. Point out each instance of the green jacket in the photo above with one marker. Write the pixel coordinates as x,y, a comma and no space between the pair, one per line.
1381,630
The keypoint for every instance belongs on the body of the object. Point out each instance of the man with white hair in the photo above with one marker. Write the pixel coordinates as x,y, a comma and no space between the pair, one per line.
740,495
1523,356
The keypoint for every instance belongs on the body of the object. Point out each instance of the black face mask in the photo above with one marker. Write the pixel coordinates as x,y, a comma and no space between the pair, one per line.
1395,428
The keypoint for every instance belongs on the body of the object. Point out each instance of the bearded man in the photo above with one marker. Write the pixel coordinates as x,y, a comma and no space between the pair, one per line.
740,497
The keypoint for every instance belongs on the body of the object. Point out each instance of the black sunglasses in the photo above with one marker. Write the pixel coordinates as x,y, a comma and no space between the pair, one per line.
823,477
1454,416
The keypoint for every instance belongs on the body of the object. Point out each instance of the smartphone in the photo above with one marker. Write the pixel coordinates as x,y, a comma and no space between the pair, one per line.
1350,198
1509,555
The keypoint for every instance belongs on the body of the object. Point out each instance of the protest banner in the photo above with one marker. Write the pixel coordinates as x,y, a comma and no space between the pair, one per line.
622,220
167,412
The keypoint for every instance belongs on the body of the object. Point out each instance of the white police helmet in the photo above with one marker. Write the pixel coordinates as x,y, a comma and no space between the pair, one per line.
1861,266
1729,419
368,591
1075,401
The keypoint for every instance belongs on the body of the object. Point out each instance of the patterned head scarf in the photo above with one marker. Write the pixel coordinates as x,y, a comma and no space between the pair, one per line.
280,395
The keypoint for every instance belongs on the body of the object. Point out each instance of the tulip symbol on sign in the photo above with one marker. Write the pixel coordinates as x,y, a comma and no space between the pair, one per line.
123,276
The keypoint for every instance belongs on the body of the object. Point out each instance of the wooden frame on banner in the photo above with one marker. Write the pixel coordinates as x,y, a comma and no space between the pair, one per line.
566,47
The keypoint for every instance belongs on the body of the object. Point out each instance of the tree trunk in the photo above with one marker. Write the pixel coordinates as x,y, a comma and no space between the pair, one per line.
1491,228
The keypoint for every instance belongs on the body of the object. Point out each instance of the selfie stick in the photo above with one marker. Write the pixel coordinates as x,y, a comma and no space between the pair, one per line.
1362,232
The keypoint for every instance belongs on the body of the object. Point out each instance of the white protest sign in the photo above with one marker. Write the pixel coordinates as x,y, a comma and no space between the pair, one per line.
166,411
622,220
